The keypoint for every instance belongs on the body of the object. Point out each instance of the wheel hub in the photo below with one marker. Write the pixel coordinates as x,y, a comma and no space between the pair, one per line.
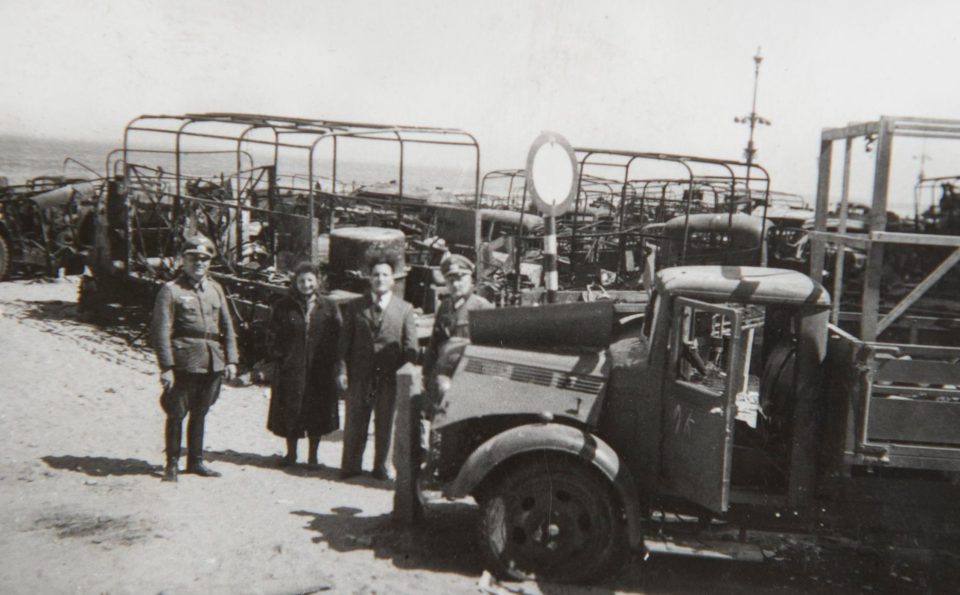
550,525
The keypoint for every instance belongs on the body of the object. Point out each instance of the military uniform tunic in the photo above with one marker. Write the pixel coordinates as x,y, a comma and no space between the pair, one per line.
192,329
452,320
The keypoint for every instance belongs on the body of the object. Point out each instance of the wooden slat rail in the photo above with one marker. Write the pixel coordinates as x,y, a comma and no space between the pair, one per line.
899,371
915,401
915,422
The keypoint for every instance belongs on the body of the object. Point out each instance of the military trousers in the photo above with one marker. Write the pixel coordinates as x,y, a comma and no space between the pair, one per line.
191,394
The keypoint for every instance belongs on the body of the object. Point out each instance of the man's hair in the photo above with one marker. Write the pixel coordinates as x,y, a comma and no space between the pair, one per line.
380,255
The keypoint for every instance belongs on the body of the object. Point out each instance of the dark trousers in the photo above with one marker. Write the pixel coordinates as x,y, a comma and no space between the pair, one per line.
357,424
194,394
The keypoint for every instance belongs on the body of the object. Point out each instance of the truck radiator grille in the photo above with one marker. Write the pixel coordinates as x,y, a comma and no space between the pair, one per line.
533,375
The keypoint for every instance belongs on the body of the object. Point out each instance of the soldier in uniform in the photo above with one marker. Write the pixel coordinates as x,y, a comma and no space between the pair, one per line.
452,319
195,344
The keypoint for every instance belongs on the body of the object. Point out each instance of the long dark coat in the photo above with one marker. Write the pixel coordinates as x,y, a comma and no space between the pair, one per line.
303,396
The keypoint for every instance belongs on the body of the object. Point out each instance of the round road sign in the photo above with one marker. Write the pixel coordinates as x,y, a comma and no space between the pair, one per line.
552,174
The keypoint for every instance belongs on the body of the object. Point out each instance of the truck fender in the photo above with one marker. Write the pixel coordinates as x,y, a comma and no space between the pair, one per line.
557,438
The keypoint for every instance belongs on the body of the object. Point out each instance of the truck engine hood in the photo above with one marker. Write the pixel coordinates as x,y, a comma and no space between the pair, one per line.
499,381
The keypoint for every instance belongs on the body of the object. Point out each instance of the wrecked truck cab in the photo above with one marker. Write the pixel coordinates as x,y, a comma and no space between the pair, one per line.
569,423
531,365
521,413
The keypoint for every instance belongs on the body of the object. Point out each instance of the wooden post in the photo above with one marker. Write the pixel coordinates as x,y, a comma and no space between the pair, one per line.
817,247
870,303
407,500
841,249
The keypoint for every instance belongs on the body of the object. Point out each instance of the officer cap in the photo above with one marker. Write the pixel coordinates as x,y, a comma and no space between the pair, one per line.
200,246
456,265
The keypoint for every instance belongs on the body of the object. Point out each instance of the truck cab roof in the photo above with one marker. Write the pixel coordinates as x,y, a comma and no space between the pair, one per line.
743,283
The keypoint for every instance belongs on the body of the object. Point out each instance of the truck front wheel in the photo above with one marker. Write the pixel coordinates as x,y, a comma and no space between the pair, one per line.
553,518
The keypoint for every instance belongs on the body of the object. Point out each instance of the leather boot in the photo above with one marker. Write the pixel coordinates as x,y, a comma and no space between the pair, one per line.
170,471
196,467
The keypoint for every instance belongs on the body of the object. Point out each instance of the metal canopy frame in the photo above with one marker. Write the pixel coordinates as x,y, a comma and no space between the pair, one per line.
301,135
734,176
882,132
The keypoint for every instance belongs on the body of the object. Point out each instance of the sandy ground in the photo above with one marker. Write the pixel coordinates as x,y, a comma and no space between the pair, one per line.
83,510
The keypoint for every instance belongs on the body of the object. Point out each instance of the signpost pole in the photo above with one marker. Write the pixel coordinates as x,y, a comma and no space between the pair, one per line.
552,181
550,258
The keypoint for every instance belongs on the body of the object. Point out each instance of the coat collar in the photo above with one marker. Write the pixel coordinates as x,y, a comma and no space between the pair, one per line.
189,283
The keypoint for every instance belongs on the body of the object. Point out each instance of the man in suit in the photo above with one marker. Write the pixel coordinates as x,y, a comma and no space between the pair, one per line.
193,337
378,337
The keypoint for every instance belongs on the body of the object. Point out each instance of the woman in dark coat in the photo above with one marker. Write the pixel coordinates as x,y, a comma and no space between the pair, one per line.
302,340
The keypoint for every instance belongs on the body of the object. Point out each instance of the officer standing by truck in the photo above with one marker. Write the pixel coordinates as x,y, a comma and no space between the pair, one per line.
196,348
452,319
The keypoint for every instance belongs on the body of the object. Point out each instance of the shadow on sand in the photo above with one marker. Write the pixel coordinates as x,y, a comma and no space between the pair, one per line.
102,466
272,462
446,541
51,310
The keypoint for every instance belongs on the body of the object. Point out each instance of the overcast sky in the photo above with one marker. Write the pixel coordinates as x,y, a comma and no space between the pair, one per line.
654,76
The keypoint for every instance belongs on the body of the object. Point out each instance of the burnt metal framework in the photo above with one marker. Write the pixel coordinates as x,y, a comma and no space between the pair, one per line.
611,213
259,197
925,220
515,197
738,181
285,137
883,131
46,223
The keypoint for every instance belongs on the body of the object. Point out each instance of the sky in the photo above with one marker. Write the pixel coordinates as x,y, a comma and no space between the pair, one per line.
664,76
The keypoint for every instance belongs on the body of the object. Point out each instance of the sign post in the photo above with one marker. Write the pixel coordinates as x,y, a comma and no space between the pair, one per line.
552,182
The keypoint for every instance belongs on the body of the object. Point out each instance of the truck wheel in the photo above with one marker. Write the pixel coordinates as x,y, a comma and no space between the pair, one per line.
549,518
4,258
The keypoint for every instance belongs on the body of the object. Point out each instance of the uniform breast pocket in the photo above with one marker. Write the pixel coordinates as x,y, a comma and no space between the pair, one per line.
188,309
213,310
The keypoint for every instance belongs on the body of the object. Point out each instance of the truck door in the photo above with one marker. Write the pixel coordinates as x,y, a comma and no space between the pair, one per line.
705,365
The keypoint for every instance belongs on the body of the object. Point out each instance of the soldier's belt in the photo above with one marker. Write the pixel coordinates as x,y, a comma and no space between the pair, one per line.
197,335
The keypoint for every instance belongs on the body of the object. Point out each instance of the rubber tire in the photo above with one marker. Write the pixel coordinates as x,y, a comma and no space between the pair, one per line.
4,258
583,507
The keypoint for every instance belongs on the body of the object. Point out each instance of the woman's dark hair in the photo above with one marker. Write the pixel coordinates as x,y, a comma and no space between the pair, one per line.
302,268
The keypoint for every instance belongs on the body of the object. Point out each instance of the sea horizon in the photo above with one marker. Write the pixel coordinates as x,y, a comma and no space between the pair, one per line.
23,157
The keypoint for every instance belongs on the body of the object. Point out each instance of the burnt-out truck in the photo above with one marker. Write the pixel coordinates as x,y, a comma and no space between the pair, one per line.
731,397
46,224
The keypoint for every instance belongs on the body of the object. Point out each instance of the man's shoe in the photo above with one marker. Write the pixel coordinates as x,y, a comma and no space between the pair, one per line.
170,472
198,468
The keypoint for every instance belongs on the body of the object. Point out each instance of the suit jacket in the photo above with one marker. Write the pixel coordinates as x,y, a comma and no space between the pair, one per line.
192,330
373,349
